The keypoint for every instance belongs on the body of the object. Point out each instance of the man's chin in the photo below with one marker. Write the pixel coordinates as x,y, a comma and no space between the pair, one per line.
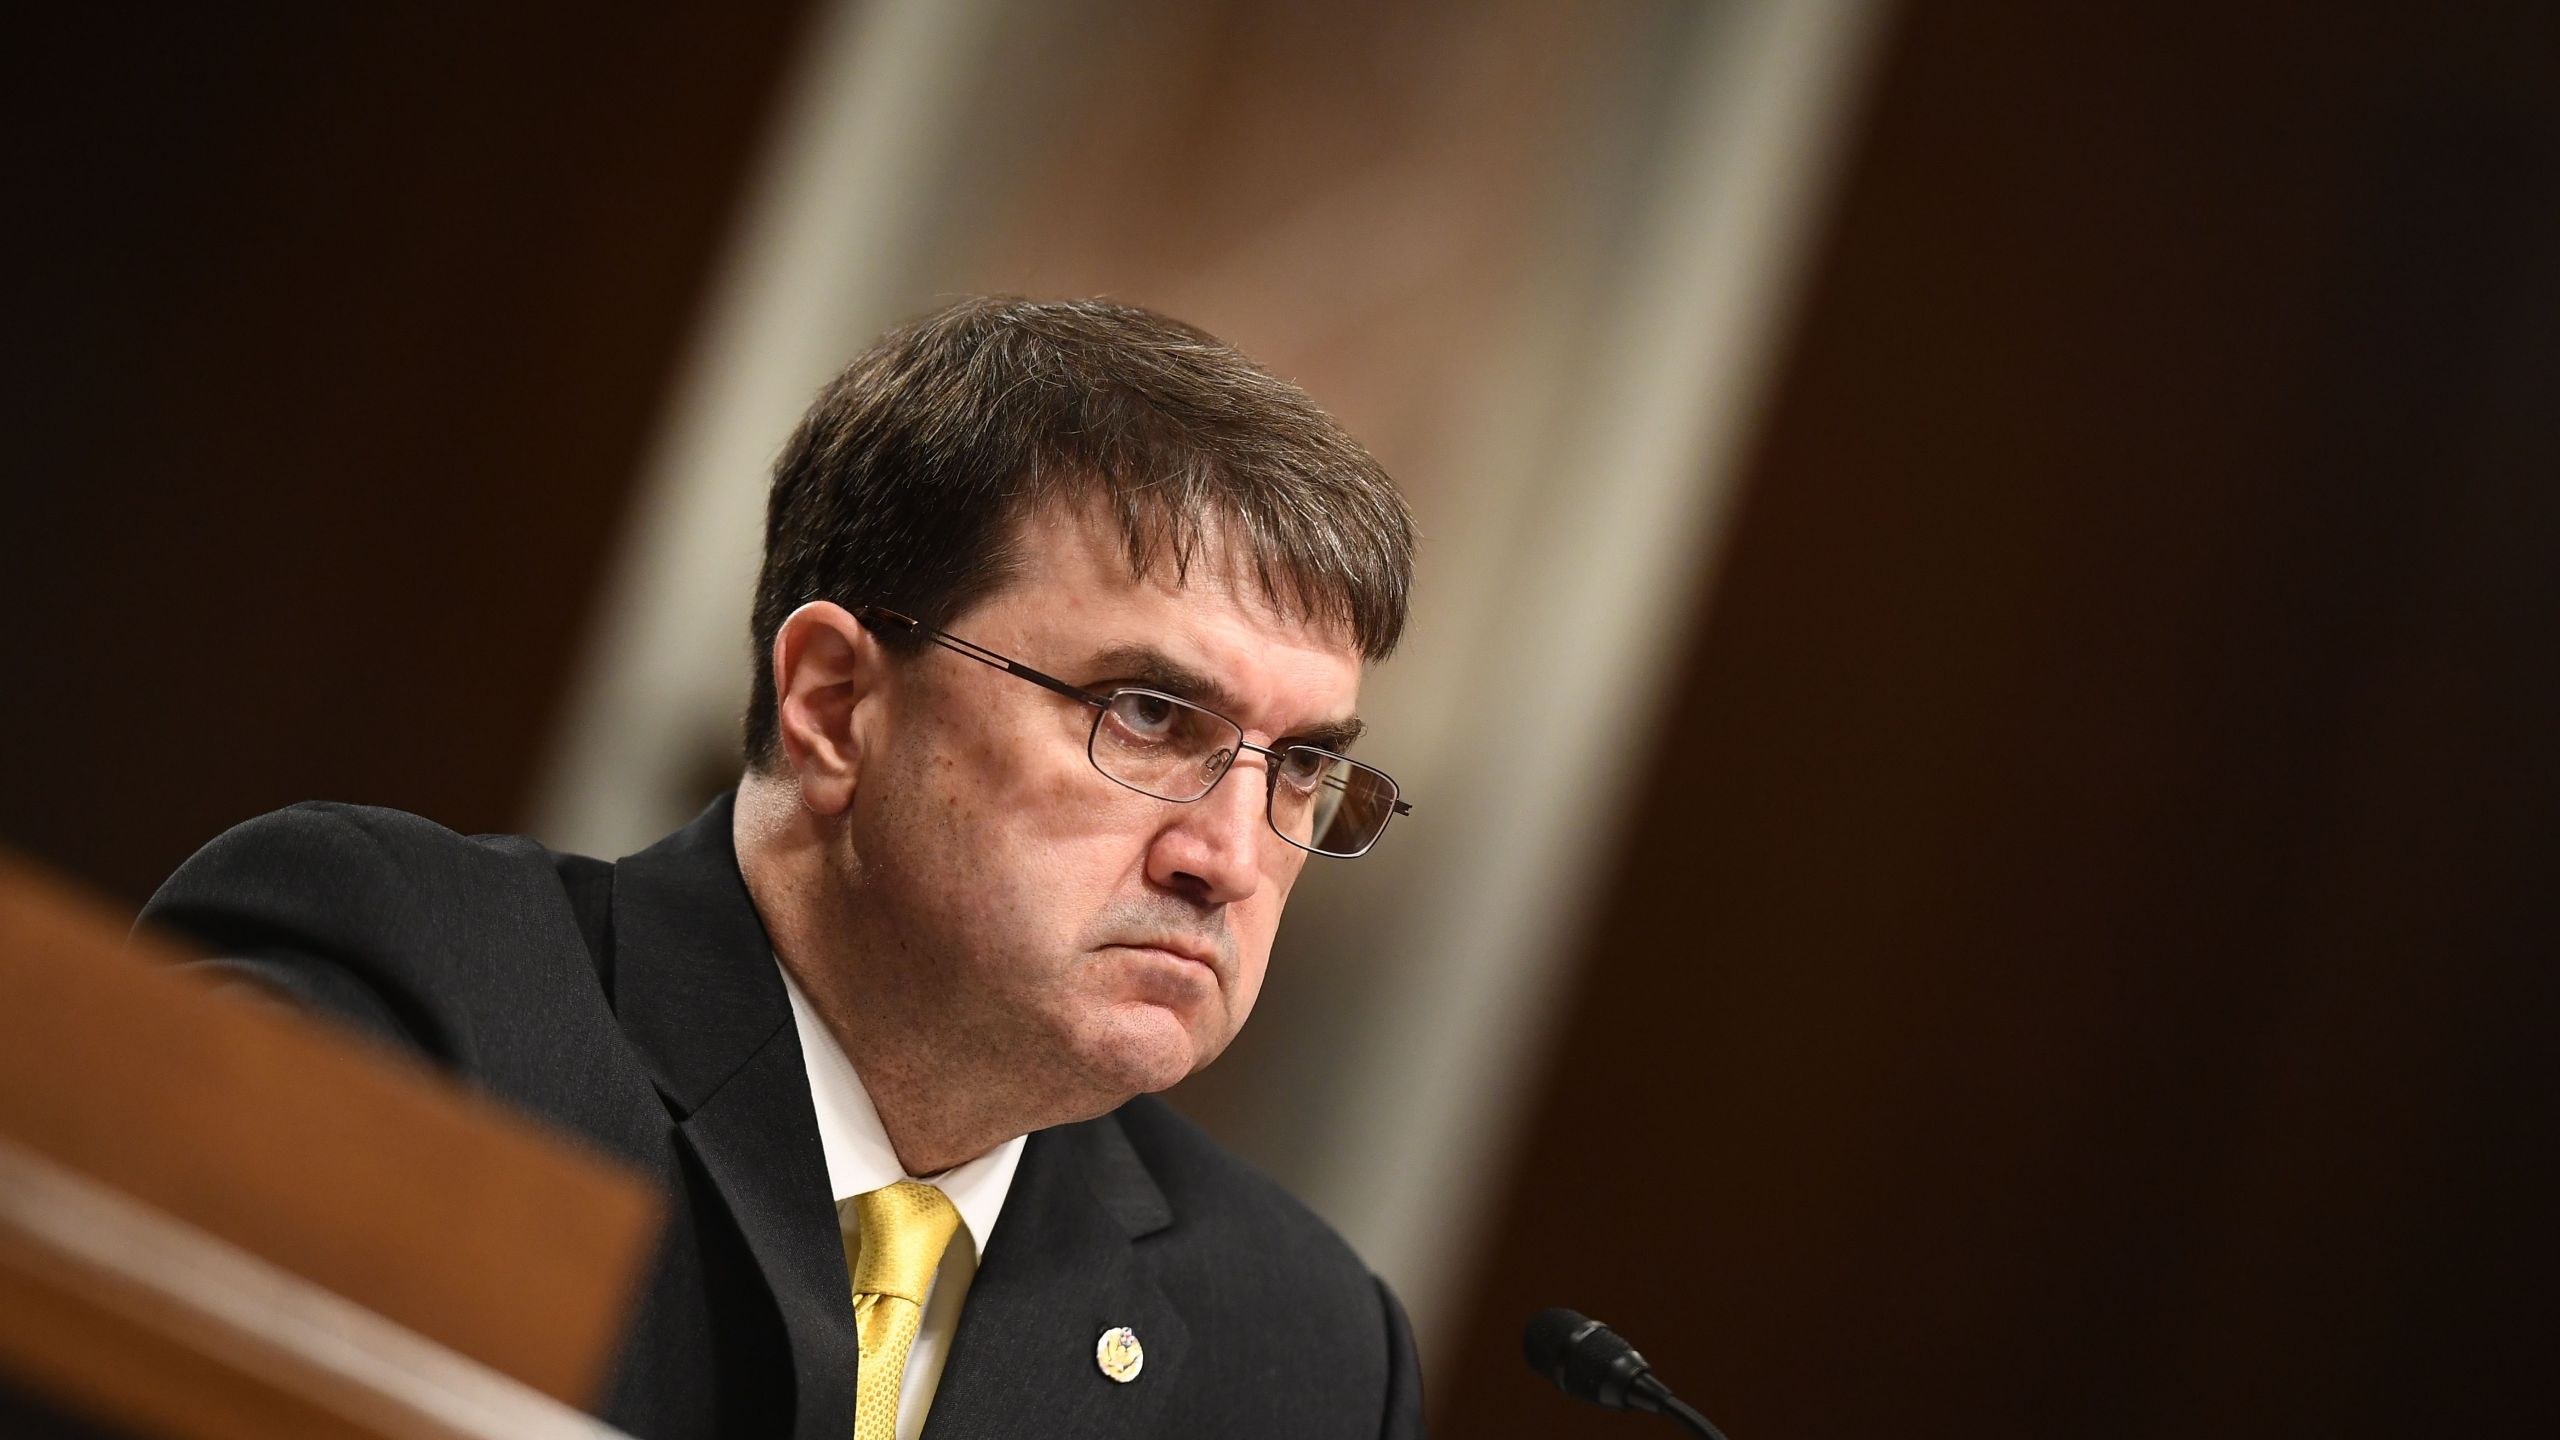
1142,1048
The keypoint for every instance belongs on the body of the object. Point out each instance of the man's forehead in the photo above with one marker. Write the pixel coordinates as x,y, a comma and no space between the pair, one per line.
1208,621
1207,642
1083,560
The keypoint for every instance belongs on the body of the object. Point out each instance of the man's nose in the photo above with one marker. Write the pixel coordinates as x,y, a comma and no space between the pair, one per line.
1212,849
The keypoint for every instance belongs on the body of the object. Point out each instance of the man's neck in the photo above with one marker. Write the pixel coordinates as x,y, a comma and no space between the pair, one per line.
943,1099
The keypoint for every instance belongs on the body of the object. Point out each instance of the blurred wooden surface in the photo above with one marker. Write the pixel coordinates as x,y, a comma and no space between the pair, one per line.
285,1173
111,1308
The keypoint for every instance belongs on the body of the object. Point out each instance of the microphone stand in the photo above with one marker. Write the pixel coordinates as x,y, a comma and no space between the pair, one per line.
1663,1402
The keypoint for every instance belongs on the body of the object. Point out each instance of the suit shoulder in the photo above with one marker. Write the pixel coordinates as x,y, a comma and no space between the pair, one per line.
388,919
1226,1200
331,825
1268,1289
356,852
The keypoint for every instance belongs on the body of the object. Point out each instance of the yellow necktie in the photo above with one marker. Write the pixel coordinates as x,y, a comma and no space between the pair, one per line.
891,1249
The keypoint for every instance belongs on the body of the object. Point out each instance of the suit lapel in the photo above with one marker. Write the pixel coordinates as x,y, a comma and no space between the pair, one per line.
1063,1268
697,992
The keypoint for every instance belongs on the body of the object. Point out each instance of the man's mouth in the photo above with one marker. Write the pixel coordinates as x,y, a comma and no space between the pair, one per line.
1192,951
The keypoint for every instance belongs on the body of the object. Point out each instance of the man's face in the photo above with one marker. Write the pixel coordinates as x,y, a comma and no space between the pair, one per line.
1022,905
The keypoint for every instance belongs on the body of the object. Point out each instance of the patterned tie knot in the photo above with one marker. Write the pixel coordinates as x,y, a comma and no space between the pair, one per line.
905,1228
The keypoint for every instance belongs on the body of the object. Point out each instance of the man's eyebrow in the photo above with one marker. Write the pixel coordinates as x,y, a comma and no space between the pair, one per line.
1333,735
1145,665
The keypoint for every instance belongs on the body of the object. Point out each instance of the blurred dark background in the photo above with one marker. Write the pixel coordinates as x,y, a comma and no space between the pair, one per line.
2077,951
340,329
2145,609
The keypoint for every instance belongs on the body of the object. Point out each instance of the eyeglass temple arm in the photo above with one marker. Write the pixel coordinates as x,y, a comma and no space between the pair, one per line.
878,618
1402,807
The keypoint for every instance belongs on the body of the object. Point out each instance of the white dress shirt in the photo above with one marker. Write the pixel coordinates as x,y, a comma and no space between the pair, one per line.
860,1158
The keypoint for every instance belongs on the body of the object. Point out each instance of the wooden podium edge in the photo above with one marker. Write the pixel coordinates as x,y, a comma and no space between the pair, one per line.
363,1172
122,1311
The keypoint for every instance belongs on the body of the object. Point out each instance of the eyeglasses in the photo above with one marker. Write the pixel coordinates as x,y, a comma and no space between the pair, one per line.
1165,746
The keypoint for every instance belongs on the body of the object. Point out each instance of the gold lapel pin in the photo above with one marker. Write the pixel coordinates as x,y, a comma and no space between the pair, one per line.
1119,1354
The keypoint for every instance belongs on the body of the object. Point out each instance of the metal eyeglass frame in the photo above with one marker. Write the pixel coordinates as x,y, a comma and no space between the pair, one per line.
878,616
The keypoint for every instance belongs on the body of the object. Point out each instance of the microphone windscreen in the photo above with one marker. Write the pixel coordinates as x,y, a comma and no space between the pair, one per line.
1586,1359
1550,1335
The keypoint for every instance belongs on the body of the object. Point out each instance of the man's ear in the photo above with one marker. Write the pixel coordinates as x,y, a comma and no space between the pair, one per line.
825,665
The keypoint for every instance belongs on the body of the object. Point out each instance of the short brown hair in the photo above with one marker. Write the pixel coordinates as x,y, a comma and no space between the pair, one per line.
904,483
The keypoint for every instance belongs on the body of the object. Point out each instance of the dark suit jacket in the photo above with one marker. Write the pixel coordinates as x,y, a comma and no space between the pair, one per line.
637,1005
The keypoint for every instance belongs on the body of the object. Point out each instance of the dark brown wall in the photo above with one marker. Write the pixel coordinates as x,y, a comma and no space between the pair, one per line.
2084,960
338,333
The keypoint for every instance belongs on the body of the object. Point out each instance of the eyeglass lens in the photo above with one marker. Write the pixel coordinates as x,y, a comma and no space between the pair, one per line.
1174,750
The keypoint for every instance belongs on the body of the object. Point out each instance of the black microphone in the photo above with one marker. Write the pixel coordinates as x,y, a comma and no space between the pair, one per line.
1589,1361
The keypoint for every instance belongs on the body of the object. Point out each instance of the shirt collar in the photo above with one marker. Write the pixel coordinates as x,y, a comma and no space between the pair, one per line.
859,1155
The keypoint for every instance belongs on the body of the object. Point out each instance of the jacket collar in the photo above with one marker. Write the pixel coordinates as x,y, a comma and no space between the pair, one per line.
693,974
698,992
699,995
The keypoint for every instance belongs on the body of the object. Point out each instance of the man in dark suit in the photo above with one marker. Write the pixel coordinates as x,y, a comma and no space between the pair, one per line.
1037,580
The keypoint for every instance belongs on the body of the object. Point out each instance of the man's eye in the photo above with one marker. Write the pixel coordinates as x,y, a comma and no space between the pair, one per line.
1145,717
1303,768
